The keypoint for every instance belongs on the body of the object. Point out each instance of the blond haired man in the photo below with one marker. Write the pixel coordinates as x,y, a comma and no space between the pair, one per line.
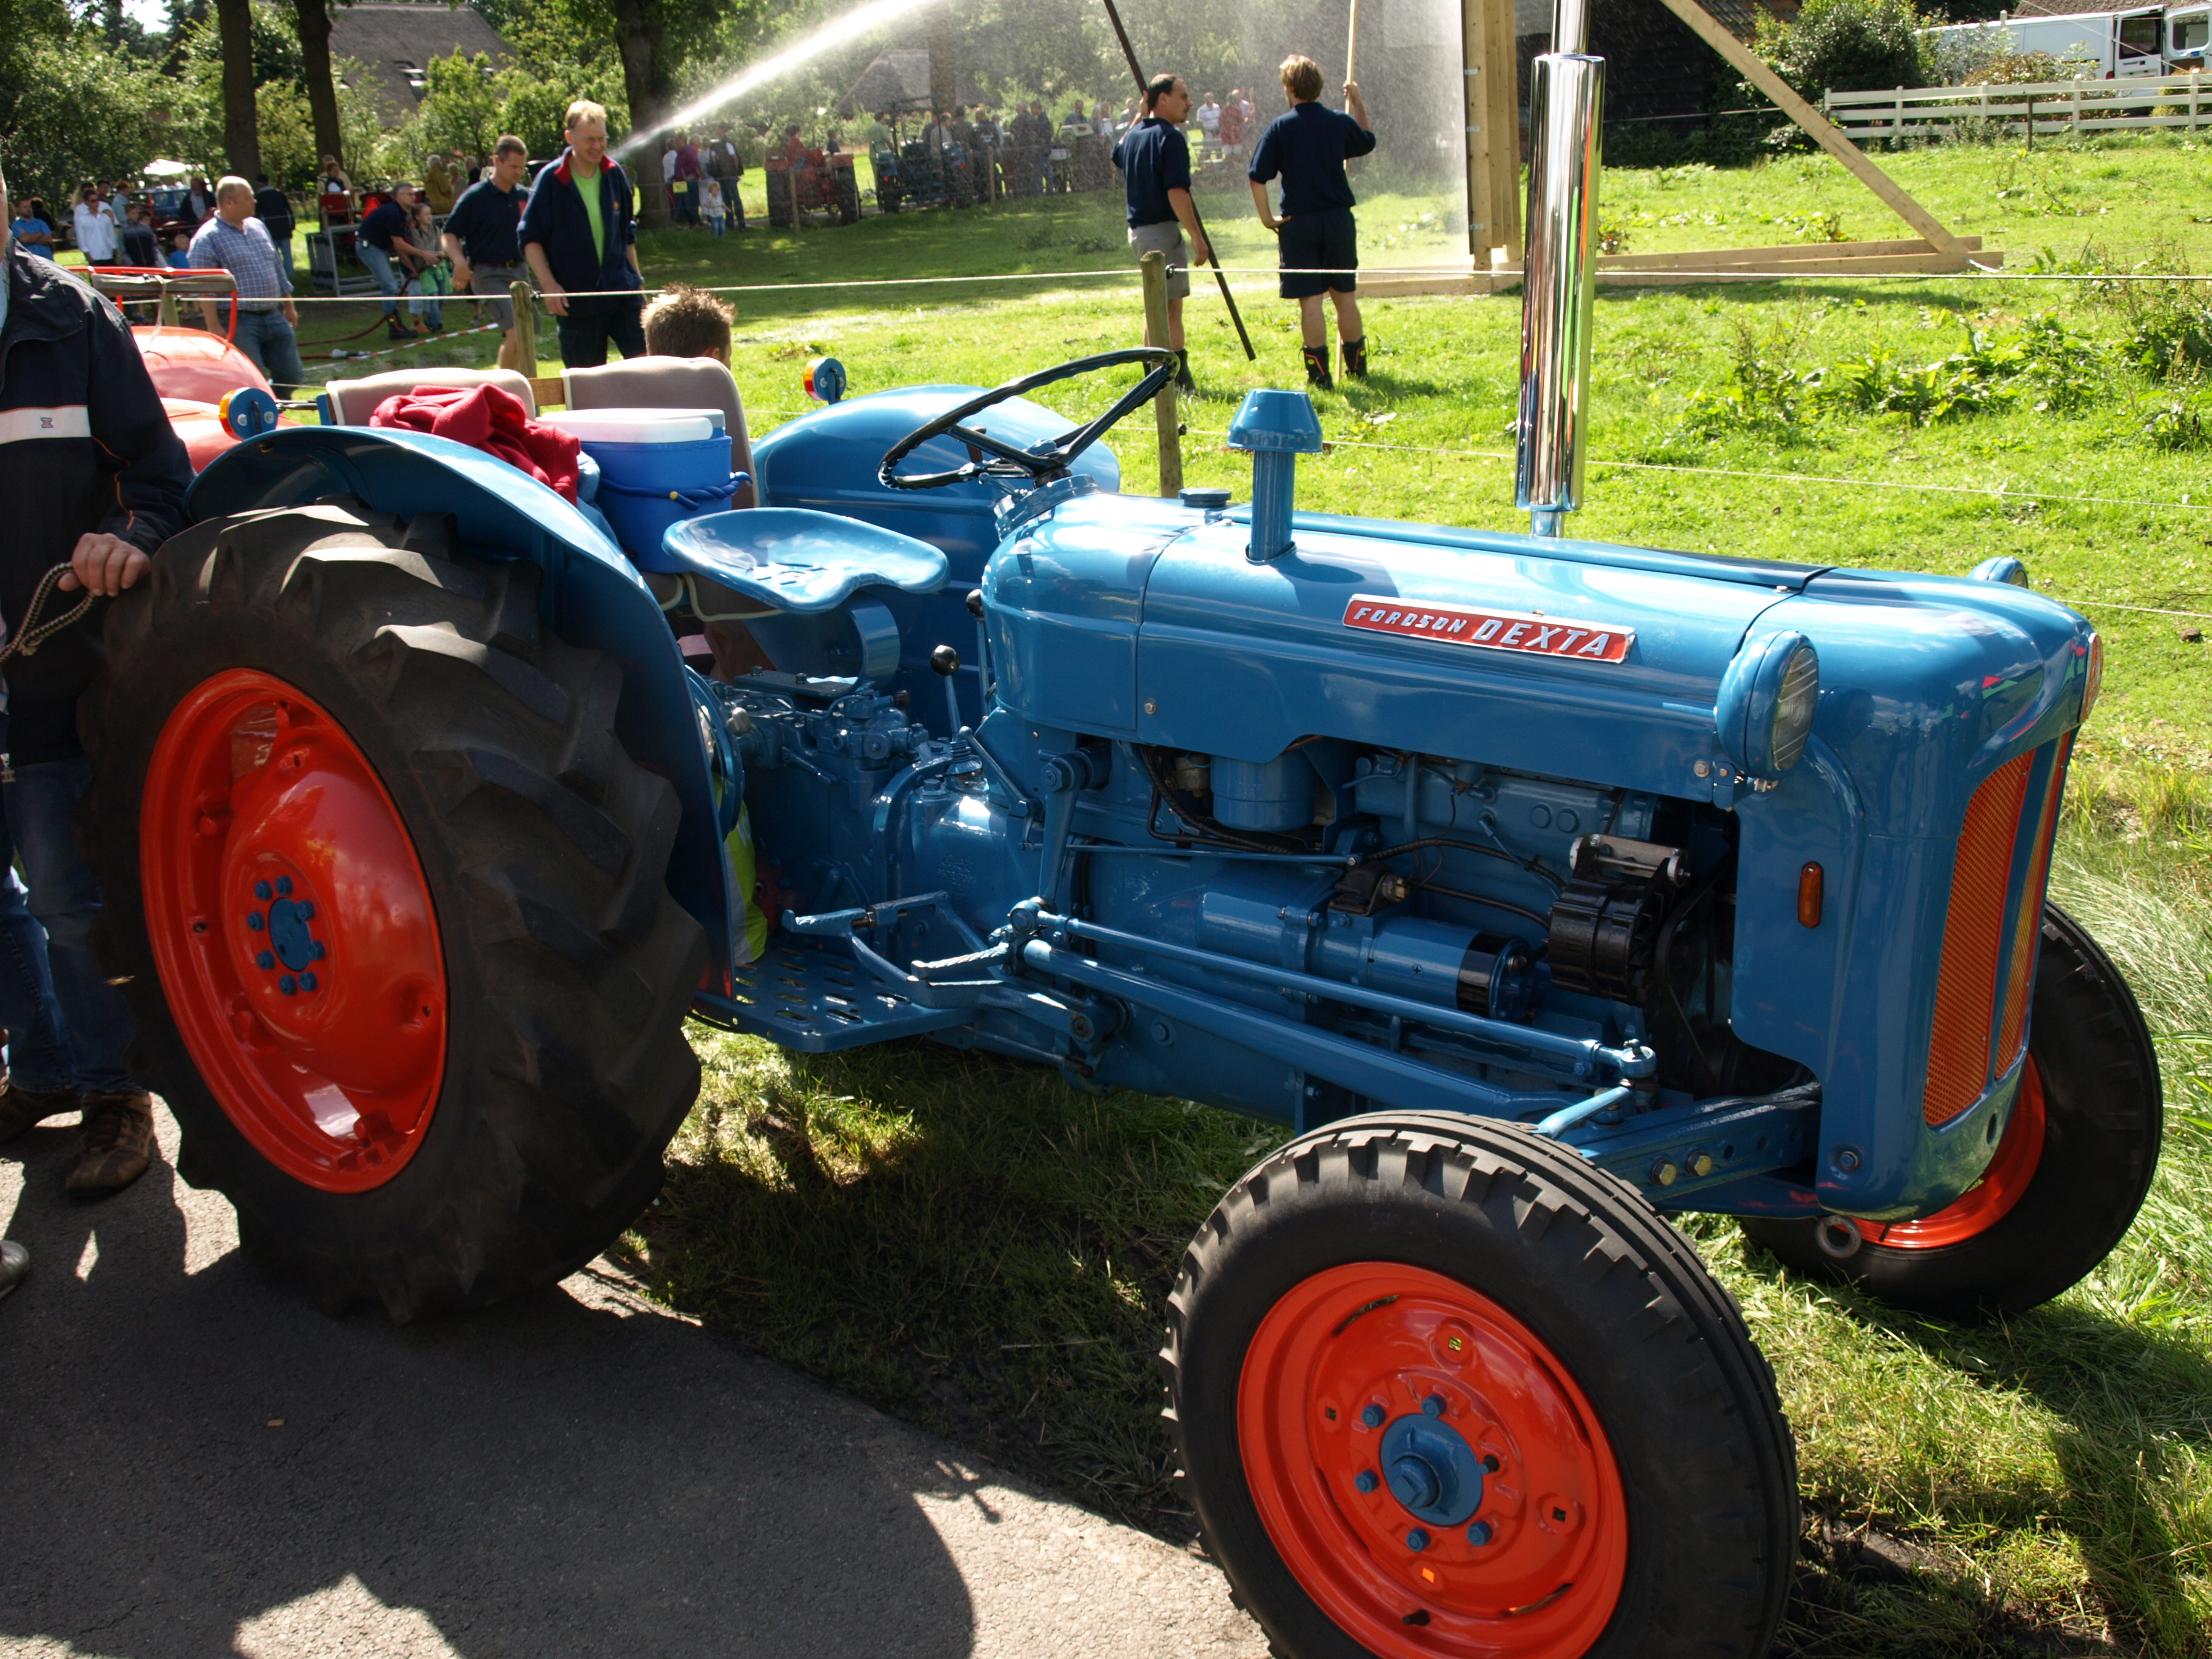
580,237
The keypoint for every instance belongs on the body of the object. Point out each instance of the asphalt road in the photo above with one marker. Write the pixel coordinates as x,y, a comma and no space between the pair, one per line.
198,1464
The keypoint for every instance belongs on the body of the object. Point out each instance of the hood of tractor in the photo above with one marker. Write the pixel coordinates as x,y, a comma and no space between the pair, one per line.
1148,620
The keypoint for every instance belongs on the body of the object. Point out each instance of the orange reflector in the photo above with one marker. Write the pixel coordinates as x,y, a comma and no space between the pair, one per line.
1808,896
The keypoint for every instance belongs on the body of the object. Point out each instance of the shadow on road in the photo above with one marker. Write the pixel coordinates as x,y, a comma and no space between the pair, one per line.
200,1464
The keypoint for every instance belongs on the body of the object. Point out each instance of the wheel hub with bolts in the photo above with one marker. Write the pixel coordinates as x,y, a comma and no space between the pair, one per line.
1467,1482
269,853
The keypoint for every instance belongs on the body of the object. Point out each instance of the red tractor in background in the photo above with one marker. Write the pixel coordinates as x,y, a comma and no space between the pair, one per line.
822,182
195,371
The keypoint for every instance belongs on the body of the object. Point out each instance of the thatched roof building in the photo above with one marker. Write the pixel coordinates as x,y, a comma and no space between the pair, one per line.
394,40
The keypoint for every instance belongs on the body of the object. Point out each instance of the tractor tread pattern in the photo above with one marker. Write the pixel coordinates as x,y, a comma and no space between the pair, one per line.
569,966
1729,1524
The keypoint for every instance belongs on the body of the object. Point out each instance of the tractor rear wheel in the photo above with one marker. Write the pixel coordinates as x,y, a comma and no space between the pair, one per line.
1438,1387
2073,1167
387,898
780,202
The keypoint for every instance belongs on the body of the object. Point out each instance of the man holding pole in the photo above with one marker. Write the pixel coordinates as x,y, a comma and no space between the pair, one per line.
1320,242
1154,160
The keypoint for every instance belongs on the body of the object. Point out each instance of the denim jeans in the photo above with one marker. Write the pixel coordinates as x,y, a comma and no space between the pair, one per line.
268,339
65,899
37,1047
388,279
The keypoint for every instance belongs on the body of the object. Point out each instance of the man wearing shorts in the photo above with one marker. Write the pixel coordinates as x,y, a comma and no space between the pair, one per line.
1320,243
1154,160
480,240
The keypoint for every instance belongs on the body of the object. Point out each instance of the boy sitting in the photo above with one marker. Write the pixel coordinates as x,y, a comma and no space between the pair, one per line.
689,322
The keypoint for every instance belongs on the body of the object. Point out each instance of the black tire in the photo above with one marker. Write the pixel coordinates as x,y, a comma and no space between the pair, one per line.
2103,1115
1706,1460
779,200
849,200
543,846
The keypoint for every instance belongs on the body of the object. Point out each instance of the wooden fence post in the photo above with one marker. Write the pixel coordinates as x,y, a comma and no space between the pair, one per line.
524,299
1154,267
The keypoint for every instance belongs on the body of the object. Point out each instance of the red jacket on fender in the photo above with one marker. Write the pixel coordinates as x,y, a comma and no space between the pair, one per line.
84,445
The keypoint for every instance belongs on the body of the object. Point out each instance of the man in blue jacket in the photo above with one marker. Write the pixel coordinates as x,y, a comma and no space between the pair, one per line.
580,232
95,479
1309,146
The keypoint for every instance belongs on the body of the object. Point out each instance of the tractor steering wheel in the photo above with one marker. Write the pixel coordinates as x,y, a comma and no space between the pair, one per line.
1039,466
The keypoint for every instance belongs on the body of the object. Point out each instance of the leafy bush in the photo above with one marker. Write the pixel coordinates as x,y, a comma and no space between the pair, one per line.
2172,335
1846,46
2178,427
1764,392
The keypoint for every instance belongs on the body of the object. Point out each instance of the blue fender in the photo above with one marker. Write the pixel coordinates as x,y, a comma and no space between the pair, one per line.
592,596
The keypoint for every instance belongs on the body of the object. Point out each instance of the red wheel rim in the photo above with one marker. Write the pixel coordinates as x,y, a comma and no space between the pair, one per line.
294,932
1989,1200
1345,1362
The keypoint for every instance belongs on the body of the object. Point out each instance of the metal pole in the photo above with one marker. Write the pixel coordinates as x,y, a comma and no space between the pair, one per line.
1154,268
1566,99
1212,257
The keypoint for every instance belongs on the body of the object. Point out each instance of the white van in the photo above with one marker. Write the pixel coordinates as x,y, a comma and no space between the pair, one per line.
2093,45
2188,28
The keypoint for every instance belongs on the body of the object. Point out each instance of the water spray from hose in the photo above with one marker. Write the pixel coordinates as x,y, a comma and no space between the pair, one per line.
840,32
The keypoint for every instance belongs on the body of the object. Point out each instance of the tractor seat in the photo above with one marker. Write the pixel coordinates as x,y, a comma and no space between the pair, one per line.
352,402
792,559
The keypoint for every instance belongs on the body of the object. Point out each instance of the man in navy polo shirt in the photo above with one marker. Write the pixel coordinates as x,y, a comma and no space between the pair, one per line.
385,249
482,239
1154,160
580,232
1319,240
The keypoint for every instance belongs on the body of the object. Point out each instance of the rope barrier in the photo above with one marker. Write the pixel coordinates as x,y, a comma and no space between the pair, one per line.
1998,490
1659,276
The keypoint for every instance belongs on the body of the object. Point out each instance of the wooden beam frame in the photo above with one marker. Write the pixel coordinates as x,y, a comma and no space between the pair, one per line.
1492,107
1824,132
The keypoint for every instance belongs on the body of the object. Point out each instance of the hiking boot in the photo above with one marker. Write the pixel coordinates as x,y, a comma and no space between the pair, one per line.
119,1144
20,1108
14,1265
1317,367
1355,357
397,332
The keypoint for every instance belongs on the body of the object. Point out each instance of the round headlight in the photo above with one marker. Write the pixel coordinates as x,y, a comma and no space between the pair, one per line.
1767,701
1793,708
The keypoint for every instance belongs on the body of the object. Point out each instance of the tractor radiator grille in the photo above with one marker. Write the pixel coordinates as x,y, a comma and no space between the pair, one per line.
2012,1031
1980,953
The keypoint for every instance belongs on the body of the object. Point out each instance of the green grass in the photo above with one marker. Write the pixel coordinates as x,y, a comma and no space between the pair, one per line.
977,1247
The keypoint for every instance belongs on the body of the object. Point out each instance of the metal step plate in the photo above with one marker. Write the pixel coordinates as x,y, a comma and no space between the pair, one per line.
817,1000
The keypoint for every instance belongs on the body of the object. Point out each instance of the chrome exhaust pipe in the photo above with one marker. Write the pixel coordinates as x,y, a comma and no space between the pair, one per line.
1566,105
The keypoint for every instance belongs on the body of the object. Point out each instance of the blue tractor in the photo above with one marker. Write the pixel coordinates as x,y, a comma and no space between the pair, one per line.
1542,887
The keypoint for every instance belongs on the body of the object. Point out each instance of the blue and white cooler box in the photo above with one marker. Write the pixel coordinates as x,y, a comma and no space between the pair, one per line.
655,466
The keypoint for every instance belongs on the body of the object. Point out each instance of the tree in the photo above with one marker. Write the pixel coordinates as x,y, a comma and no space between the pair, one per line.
462,103
313,20
241,140
1845,46
78,110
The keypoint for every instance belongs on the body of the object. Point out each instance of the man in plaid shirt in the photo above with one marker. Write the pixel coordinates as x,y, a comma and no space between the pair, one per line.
233,239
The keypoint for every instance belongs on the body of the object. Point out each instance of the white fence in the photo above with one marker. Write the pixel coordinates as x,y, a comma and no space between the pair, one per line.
2041,106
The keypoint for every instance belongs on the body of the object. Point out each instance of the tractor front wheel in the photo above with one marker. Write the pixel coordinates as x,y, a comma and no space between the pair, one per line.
2068,1175
1439,1388
387,898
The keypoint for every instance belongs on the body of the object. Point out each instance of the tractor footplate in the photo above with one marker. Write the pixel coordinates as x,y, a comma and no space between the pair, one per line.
815,1000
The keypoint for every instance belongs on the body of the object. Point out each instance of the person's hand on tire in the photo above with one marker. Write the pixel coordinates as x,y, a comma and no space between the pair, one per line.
104,564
